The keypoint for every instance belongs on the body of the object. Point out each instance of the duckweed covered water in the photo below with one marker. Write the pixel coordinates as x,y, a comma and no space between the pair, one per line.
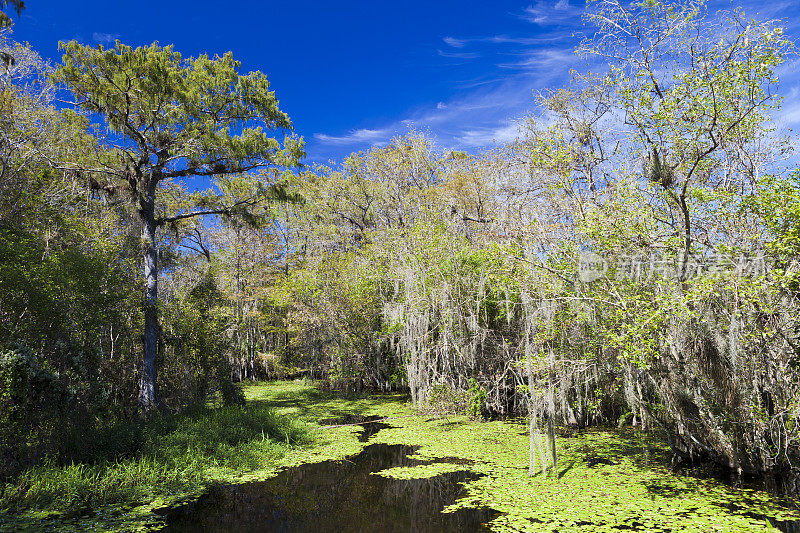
607,480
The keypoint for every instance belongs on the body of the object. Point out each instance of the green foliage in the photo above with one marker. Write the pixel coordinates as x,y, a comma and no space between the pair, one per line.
194,117
777,203
476,400
65,289
179,105
450,274
26,387
179,119
198,363
17,5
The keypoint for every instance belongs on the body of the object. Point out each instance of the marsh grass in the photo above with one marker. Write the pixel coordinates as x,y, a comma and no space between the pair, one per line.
134,462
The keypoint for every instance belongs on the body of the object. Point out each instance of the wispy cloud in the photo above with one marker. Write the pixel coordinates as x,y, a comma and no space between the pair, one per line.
499,134
484,109
481,112
105,38
359,136
455,43
502,39
458,55
480,116
548,12
788,115
538,60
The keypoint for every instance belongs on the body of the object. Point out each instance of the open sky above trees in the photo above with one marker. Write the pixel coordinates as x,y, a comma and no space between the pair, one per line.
353,74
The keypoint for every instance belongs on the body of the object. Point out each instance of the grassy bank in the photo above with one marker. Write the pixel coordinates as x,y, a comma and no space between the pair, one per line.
129,468
606,481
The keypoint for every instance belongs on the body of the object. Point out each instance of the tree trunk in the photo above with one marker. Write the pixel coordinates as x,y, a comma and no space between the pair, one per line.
148,387
551,419
551,430
531,415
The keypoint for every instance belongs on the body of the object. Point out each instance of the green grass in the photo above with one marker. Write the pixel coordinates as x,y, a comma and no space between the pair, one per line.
226,444
135,464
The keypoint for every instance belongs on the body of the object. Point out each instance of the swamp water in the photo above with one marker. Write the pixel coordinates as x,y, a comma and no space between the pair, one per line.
337,496
347,495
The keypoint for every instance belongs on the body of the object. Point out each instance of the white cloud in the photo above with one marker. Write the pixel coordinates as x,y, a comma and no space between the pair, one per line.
455,43
359,136
788,114
549,12
535,15
527,41
106,38
500,134
540,60
486,109
480,117
506,39
482,111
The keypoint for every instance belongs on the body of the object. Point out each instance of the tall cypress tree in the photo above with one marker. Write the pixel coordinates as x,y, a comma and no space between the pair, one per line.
170,120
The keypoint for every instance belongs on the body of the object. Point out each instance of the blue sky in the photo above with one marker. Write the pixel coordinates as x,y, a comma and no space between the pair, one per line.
351,74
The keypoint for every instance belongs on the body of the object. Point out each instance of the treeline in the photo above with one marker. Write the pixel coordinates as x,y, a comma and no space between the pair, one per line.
629,259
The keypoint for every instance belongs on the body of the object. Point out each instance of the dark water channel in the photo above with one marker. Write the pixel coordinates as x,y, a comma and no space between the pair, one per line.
337,496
